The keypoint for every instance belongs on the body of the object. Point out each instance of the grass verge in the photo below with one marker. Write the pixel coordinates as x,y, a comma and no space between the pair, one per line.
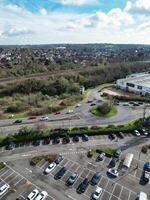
2,165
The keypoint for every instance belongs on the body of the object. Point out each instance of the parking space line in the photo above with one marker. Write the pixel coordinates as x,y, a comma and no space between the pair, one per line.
27,179
5,172
8,176
120,192
129,195
12,179
18,181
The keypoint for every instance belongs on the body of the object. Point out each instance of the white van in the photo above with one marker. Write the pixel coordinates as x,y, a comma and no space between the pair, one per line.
141,196
128,160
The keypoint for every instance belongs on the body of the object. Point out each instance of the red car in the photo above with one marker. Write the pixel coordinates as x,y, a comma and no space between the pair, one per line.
32,117
57,113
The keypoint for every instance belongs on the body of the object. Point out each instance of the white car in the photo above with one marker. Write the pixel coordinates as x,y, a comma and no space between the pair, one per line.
97,194
136,132
42,196
50,168
4,188
44,118
113,172
70,111
32,195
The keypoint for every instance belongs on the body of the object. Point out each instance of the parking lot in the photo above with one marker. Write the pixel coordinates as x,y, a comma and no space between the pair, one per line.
23,178
20,187
113,189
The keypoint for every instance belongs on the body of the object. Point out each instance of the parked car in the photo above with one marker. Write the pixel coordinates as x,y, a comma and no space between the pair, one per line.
83,186
78,105
32,195
75,139
44,118
101,156
141,196
50,168
147,166
42,196
57,113
117,152
71,180
95,179
70,111
32,117
60,173
18,121
143,132
146,176
136,132
4,188
113,162
89,101
10,146
93,104
85,138
65,140
36,142
59,159
56,140
46,141
113,172
146,173
120,135
111,136
97,194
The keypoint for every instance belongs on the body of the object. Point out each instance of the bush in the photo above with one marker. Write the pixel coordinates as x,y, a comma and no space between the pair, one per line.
2,165
145,148
108,151
36,159
105,108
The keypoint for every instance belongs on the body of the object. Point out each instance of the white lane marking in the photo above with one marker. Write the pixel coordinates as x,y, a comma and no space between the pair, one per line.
71,197
18,181
8,176
28,170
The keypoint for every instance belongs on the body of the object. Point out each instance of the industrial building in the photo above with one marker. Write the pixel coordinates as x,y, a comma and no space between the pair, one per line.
138,83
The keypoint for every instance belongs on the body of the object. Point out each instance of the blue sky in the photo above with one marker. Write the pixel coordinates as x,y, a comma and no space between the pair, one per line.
54,5
74,21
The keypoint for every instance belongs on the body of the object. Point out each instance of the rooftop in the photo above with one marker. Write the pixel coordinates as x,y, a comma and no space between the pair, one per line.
142,79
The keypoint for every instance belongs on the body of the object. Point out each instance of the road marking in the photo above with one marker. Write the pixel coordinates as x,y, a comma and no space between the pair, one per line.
71,197
26,179
18,181
28,170
8,176
129,195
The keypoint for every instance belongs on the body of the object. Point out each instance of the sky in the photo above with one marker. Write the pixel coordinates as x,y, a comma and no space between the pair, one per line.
74,21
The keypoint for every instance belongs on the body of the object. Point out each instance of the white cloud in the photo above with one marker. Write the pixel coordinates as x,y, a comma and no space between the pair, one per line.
114,18
14,8
77,2
20,26
141,7
13,32
43,11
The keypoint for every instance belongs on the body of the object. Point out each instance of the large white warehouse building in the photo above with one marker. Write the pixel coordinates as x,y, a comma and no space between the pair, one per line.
137,83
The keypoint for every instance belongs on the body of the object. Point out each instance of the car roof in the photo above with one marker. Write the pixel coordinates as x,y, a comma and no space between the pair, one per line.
3,186
98,189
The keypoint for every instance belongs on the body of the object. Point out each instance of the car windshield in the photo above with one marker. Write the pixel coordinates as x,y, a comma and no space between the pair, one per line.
96,193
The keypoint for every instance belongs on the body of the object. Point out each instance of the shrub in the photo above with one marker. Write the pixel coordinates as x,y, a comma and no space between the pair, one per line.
105,108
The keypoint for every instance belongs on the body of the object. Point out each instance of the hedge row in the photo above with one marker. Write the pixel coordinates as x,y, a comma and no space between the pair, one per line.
27,135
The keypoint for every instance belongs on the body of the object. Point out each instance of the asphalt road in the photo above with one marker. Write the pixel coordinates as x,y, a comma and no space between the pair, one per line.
80,117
